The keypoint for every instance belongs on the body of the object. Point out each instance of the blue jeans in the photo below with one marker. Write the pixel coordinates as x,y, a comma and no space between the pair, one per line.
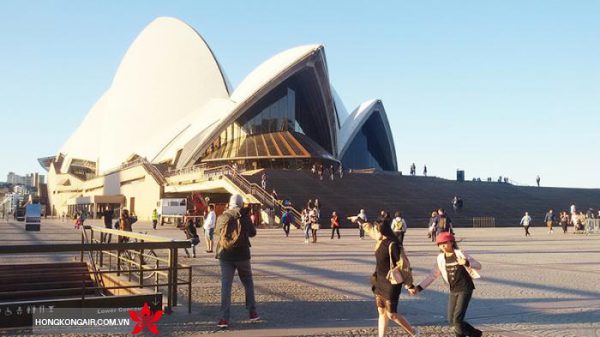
245,274
307,231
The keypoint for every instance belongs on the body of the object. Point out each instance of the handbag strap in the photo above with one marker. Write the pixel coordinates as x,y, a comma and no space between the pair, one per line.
390,253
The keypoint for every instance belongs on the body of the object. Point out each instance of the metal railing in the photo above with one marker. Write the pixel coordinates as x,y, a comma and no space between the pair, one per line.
136,262
186,170
123,253
484,221
258,192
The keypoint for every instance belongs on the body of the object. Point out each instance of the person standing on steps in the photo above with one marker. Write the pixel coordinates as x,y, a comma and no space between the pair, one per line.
263,181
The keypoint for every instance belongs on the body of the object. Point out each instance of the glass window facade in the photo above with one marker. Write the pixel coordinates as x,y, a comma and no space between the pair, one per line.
370,147
277,117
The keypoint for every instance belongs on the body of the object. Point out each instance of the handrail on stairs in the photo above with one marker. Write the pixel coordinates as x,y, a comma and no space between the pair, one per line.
258,192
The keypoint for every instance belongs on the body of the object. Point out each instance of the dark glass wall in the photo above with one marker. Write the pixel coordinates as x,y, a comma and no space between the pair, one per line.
278,116
370,147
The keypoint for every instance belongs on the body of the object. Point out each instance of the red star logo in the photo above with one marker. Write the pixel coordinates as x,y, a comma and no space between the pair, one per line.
146,319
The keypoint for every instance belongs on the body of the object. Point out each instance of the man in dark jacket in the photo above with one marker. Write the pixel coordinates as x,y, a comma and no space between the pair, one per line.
549,220
108,218
235,255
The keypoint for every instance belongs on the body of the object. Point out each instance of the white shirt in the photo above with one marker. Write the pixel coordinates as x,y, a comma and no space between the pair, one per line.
525,220
210,221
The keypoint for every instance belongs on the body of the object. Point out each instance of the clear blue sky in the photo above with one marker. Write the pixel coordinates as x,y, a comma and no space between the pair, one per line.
507,88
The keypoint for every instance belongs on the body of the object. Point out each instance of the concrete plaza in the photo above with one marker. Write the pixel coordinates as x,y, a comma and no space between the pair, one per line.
543,285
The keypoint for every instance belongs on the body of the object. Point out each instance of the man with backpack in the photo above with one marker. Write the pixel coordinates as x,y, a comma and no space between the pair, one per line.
235,229
286,219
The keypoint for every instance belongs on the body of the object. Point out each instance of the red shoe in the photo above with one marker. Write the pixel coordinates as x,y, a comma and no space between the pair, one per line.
254,316
223,323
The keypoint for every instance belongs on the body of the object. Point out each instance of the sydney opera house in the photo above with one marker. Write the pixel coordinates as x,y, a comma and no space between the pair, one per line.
171,111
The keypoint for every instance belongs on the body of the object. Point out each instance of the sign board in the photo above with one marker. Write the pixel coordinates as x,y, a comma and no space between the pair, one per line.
33,213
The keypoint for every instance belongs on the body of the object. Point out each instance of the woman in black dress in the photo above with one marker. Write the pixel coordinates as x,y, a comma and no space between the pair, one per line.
386,294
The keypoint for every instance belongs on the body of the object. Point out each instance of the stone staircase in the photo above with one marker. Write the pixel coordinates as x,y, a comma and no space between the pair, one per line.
417,196
43,281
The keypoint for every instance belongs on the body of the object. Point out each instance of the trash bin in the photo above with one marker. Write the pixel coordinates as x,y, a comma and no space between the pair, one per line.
460,175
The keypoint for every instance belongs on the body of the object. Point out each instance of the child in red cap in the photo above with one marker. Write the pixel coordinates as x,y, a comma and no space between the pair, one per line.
458,270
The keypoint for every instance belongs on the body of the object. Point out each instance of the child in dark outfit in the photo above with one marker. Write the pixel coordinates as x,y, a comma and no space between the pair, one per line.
458,270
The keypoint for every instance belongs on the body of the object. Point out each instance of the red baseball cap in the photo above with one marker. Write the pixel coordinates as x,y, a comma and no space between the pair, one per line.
444,237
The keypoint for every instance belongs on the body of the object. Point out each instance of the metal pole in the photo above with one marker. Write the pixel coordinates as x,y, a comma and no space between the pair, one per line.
190,290
82,242
141,268
175,280
169,280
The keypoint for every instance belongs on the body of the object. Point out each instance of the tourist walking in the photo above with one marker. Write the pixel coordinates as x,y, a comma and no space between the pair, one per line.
313,216
537,180
458,270
526,222
125,224
154,218
443,223
108,215
425,170
387,255
363,218
233,251
549,220
564,221
306,223
286,220
263,181
209,228
335,225
432,230
399,227
191,234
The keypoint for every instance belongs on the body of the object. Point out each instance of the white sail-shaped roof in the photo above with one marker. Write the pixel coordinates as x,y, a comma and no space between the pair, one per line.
355,122
168,73
170,98
257,83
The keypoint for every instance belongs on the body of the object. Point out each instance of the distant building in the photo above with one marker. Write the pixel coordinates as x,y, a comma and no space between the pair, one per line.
29,180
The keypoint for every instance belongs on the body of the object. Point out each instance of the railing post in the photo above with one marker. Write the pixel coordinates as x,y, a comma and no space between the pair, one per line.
174,274
119,259
156,277
169,308
142,267
82,243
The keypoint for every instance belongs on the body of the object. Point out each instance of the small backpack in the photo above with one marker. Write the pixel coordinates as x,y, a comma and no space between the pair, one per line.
230,229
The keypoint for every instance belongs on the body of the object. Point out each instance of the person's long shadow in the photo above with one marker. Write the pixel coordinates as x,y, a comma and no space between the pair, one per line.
500,310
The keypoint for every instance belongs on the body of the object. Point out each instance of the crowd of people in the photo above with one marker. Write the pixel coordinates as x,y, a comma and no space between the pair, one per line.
579,220
237,225
457,268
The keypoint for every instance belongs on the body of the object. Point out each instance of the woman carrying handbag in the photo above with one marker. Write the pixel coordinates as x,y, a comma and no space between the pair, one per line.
387,255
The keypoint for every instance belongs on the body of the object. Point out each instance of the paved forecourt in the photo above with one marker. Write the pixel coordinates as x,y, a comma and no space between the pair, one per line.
543,285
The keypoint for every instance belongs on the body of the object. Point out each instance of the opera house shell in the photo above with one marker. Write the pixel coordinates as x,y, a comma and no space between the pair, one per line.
171,107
